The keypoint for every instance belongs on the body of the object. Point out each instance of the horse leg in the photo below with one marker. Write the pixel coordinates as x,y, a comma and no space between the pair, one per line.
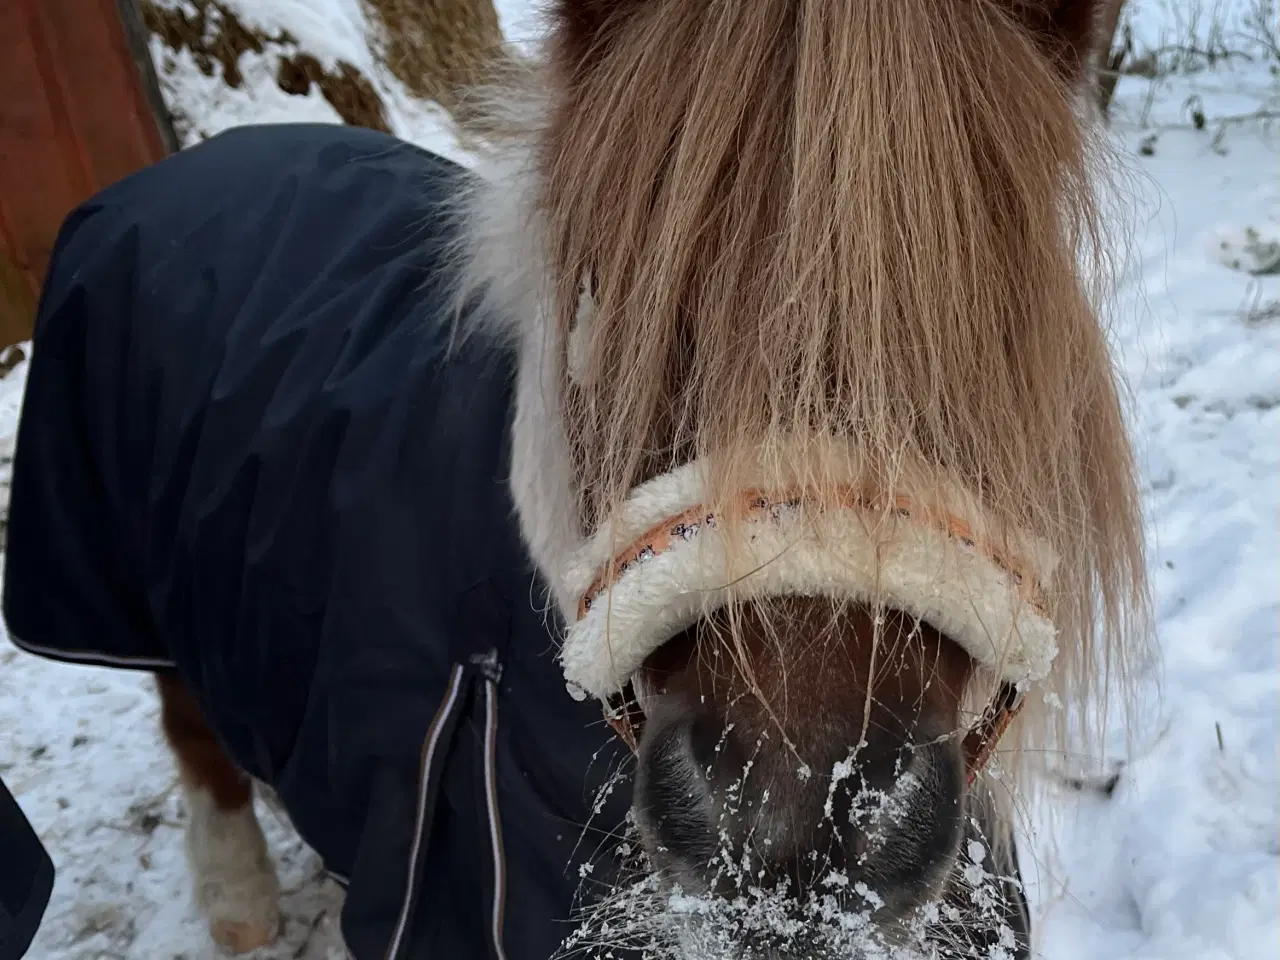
235,881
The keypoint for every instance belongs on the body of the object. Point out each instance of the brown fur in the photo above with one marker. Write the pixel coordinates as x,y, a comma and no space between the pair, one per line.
235,882
838,220
824,674
202,762
1066,30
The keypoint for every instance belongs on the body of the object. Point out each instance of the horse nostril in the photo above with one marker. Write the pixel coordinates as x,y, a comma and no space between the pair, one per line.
914,836
888,822
672,798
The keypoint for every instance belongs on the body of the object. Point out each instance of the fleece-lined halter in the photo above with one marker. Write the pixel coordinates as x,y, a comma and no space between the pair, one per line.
936,557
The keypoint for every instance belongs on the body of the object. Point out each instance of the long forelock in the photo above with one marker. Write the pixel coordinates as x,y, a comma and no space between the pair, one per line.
833,225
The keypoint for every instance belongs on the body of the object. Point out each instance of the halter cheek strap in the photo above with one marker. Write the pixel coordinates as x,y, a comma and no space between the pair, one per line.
981,740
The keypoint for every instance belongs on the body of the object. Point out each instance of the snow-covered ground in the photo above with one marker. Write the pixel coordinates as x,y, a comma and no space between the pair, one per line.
1182,860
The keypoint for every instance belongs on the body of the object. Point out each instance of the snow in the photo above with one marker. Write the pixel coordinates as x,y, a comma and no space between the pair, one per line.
521,23
1225,29
330,31
1182,860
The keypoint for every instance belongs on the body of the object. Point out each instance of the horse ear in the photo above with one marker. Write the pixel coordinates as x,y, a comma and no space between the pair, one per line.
582,27
1066,29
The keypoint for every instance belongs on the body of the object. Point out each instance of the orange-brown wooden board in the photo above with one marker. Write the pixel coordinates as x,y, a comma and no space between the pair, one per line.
74,117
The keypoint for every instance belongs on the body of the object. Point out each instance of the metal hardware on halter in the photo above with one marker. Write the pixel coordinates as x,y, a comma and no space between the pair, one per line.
624,715
980,742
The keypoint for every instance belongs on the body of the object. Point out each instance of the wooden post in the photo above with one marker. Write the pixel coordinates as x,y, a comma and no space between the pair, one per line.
77,115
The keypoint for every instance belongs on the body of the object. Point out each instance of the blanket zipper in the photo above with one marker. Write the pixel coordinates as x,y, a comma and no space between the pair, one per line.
480,676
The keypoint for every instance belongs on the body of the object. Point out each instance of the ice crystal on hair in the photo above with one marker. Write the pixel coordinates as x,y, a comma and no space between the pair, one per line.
755,916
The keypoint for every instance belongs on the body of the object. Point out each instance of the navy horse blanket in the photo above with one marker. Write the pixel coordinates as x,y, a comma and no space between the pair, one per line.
251,453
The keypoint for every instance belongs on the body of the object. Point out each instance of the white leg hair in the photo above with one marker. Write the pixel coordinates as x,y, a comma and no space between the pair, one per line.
235,881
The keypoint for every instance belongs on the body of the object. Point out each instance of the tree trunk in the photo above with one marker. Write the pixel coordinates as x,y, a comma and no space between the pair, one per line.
1112,54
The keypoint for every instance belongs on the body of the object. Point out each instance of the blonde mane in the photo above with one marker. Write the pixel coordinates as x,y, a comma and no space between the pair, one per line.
874,222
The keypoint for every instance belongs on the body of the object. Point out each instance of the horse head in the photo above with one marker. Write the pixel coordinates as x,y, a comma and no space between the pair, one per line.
817,441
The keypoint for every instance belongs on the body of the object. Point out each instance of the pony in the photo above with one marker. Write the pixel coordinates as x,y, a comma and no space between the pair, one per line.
818,439
818,446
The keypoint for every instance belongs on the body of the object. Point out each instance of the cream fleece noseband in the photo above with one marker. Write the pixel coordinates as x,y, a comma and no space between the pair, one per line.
927,549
